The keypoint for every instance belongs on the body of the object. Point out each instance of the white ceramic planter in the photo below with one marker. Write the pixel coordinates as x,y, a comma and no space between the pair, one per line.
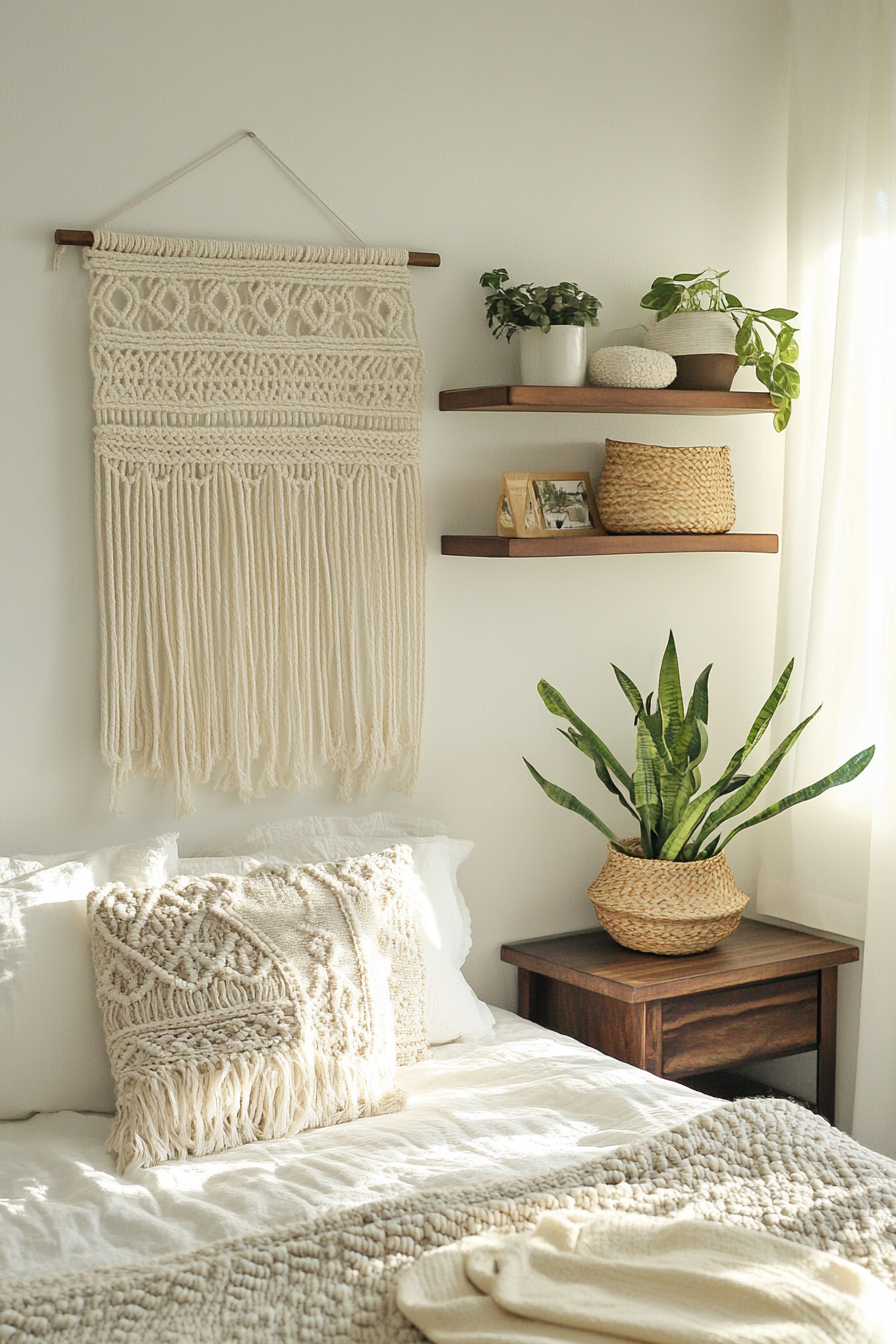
554,358
693,334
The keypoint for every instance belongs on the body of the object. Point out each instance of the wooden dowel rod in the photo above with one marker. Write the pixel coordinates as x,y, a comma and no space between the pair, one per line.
73,238
84,238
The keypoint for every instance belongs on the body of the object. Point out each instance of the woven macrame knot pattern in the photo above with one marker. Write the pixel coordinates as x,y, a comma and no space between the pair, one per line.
259,513
238,1009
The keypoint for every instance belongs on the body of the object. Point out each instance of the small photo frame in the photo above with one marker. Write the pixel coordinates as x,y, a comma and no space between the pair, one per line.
547,503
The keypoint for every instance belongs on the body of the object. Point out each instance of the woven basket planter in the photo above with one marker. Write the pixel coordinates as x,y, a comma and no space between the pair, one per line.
648,488
672,909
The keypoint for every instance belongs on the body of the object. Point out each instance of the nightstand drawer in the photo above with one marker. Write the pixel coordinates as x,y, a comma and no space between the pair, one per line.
762,992
732,1026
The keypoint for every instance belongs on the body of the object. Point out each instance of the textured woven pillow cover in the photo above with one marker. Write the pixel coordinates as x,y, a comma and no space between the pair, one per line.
244,1008
453,1009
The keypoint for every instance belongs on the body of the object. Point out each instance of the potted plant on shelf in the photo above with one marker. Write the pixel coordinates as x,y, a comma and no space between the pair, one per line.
670,889
551,321
709,332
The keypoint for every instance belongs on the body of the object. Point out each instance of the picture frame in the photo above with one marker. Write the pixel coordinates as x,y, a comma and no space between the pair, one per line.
547,504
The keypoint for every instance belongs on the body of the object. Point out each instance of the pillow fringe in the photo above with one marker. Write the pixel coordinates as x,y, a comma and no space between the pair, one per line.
187,1110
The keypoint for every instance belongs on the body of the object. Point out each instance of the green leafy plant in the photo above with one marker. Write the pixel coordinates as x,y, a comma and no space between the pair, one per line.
509,307
678,819
702,292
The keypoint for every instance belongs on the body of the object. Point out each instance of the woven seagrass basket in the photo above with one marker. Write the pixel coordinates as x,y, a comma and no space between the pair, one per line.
672,909
647,488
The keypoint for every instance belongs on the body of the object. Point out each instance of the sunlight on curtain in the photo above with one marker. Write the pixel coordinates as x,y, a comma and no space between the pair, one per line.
832,863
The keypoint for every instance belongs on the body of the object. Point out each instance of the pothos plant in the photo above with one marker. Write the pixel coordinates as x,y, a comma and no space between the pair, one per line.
702,292
678,819
509,307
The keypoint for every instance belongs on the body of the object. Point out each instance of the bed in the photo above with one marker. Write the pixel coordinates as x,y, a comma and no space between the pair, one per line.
519,1101
306,1236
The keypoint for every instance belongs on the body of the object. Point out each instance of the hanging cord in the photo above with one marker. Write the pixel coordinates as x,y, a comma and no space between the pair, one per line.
207,158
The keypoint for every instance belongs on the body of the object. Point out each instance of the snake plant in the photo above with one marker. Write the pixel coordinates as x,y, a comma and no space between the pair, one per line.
678,819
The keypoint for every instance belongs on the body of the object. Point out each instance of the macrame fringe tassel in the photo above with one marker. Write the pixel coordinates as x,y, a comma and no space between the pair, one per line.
256,619
183,1110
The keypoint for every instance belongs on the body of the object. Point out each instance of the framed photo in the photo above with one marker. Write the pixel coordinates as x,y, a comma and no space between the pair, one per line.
543,503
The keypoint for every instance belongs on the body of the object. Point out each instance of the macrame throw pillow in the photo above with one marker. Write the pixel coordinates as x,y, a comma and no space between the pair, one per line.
244,1008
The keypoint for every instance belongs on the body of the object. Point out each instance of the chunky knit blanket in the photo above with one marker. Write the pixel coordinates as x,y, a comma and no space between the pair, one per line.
259,512
762,1165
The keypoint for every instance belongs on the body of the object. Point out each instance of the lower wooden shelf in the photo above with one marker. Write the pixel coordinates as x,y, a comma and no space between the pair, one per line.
765,543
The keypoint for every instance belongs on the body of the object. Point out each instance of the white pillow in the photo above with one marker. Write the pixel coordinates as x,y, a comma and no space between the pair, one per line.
453,1009
52,1048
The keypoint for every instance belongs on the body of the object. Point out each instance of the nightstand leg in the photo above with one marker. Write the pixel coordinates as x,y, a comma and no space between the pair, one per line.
524,993
826,1077
653,1037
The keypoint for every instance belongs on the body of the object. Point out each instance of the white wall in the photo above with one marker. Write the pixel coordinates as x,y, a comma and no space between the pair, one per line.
603,141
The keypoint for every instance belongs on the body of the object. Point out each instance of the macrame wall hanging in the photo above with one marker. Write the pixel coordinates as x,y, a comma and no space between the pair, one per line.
259,512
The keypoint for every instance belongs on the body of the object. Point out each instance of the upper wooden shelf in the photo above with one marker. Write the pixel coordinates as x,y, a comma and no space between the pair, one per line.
597,544
604,400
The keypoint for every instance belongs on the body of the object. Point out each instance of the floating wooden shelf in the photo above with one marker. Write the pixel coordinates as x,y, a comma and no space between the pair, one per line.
518,547
605,400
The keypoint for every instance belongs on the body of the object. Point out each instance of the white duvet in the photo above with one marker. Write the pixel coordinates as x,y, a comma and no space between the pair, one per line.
519,1100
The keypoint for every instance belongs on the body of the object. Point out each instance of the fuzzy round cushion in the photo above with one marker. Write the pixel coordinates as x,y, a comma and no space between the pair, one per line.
251,1007
631,366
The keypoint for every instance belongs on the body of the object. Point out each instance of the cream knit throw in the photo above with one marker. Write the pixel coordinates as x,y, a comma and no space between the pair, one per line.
762,1165
243,1008
598,1278
259,512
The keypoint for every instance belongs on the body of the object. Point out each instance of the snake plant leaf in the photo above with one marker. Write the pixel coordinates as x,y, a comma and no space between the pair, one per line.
674,845
653,721
669,697
698,705
592,751
630,690
710,848
764,717
847,772
642,710
749,791
675,791
688,784
647,786
760,723
556,705
569,800
702,744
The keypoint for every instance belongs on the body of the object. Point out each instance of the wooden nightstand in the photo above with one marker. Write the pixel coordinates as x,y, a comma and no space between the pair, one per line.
762,993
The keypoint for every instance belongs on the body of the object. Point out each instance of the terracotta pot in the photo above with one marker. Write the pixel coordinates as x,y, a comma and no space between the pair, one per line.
702,345
672,909
705,373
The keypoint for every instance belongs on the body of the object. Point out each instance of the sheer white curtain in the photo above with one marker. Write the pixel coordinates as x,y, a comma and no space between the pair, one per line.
831,863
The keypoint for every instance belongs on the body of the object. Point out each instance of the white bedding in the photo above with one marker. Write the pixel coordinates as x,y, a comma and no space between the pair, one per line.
517,1100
